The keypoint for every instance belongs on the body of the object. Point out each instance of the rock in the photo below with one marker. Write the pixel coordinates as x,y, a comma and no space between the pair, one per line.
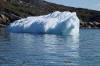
3,19
12,10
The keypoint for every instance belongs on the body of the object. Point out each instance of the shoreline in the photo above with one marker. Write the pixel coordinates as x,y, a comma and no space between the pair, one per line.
5,26
11,11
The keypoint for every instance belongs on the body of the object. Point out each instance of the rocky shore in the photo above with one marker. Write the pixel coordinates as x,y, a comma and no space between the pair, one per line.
11,11
89,25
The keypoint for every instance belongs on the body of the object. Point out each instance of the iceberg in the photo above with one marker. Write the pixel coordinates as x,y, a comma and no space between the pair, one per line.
65,23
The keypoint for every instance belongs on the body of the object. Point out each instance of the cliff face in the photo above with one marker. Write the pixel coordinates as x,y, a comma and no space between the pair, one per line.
11,11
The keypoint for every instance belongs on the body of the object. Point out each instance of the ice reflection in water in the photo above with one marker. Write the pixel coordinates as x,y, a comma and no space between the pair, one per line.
63,50
50,50
39,50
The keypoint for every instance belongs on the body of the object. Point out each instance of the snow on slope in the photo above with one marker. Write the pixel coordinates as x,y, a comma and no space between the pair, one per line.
65,23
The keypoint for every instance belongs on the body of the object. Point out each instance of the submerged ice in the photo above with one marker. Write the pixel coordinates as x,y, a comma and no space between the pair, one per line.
65,23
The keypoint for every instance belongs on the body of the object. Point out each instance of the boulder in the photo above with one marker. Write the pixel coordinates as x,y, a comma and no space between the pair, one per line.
3,19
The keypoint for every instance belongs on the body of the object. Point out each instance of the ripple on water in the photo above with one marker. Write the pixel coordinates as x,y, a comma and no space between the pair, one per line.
23,49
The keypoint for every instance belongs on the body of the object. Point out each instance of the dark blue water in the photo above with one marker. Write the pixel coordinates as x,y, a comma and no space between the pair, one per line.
23,49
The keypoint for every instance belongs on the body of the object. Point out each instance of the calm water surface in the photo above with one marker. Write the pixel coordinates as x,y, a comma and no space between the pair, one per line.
23,49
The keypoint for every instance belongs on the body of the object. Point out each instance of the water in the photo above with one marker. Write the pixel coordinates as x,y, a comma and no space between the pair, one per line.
23,49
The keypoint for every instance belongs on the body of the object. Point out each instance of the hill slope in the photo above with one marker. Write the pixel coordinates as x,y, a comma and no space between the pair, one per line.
11,11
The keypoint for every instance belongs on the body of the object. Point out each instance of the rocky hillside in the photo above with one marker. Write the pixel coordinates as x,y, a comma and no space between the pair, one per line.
11,11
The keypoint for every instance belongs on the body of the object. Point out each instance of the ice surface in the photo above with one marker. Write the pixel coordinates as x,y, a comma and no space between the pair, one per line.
65,23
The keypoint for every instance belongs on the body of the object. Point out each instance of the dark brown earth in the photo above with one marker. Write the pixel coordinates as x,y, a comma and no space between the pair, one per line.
11,11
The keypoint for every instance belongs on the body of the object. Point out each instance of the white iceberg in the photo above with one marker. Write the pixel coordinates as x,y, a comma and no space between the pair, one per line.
65,23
